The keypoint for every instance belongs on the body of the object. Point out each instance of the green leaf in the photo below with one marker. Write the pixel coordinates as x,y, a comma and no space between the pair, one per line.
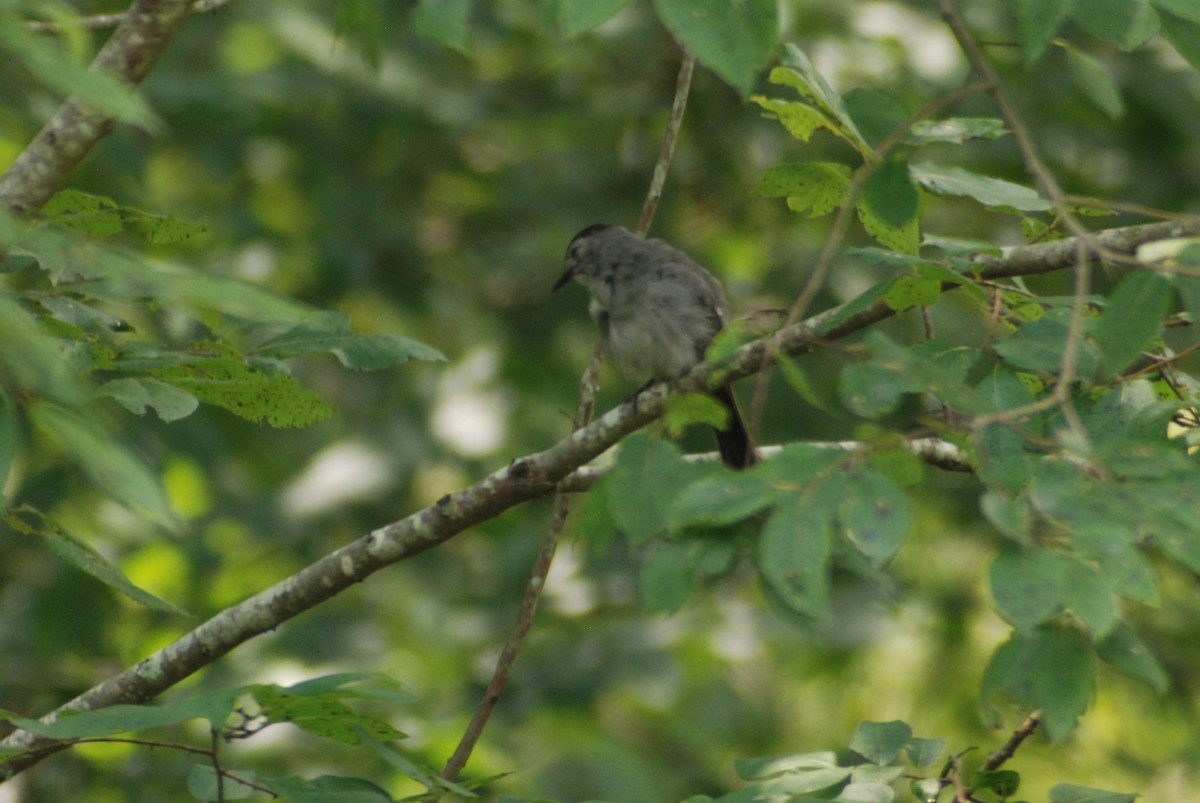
10,439
578,16
904,239
686,409
1070,793
794,551
797,379
328,789
817,188
665,579
1006,461
798,72
1090,77
364,21
1184,36
1132,319
109,464
1037,21
1011,516
1121,564
876,112
1029,585
330,332
956,130
991,192
444,21
911,291
875,514
97,216
1051,669
649,475
1123,650
1004,783
720,498
800,119
872,390
321,715
77,553
216,374
41,56
733,39
1184,9
33,362
1039,345
353,685
136,395
923,752
932,270
84,213
756,769
121,718
890,195
867,793
1126,23
880,742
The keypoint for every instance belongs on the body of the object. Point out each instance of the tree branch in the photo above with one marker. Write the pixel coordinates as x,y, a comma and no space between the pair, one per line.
99,22
73,130
525,479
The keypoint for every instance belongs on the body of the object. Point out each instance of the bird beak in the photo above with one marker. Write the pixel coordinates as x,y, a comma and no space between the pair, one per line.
567,276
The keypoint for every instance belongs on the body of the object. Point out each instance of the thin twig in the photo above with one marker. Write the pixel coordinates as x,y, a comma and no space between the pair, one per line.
558,519
997,759
666,154
533,593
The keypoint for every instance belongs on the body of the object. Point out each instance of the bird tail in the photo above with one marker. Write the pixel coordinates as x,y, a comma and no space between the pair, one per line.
734,441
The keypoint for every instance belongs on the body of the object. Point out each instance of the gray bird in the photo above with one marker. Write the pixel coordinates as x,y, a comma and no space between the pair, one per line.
658,310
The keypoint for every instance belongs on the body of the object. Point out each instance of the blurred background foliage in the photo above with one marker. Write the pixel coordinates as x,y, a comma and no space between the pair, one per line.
430,192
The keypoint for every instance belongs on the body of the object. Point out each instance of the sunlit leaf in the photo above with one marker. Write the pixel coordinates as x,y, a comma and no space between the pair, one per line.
905,238
817,188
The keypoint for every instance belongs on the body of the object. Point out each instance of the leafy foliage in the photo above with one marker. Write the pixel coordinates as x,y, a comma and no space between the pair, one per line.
423,186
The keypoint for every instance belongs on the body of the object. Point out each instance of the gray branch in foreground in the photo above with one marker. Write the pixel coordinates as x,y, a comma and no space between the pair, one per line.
525,479
45,165
934,451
